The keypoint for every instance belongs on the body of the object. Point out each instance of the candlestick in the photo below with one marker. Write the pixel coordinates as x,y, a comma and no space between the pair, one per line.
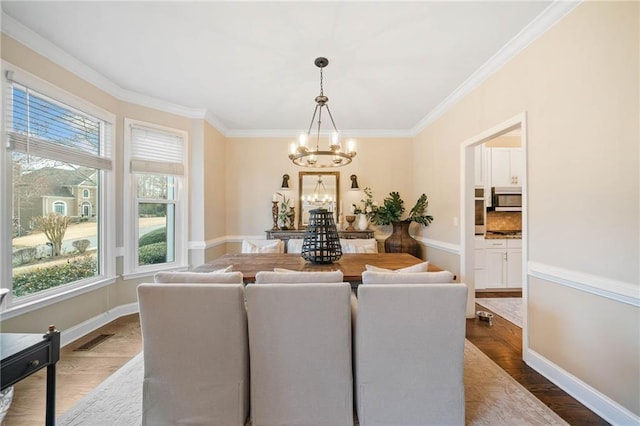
274,213
292,218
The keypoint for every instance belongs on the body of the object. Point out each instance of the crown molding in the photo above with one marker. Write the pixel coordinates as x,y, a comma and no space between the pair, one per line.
45,48
543,22
346,133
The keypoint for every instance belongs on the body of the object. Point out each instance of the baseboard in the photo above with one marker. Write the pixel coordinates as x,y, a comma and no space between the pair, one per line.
77,331
597,402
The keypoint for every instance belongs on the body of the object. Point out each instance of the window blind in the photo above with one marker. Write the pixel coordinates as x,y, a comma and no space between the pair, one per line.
41,126
156,151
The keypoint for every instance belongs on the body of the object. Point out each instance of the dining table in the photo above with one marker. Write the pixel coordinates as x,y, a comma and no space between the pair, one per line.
352,265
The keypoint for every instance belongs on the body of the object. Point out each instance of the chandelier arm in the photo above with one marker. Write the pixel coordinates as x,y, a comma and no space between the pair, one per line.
331,117
315,111
318,135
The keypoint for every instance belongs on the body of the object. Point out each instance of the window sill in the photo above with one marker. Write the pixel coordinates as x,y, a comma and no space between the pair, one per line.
33,305
151,272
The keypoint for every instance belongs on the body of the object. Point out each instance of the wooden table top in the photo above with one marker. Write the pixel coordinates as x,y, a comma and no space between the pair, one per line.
351,265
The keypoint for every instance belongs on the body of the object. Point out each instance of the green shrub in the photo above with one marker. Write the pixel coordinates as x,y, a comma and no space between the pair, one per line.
152,253
53,276
156,236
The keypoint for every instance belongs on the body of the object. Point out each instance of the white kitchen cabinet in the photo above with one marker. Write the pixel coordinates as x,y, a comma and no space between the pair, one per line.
480,165
502,260
496,268
480,264
514,268
506,166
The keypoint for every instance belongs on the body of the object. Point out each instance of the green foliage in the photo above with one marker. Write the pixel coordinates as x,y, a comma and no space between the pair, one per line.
53,276
368,206
152,253
417,212
156,236
392,210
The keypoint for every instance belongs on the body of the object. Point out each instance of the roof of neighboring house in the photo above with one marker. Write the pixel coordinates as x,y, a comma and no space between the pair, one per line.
52,181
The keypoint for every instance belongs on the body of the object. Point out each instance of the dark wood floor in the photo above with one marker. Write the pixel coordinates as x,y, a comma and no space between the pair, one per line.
80,372
502,342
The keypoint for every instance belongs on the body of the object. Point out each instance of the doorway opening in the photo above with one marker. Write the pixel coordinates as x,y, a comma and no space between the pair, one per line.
476,174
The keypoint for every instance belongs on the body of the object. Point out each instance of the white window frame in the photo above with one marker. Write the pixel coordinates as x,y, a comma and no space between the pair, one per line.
131,268
64,207
17,306
86,193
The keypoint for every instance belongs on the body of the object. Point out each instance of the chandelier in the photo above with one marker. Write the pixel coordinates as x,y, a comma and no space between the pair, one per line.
303,155
319,197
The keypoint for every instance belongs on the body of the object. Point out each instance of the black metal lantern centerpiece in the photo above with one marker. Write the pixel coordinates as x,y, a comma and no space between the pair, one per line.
321,241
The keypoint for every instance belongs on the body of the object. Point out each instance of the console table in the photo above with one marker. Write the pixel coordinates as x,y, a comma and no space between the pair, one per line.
24,354
286,235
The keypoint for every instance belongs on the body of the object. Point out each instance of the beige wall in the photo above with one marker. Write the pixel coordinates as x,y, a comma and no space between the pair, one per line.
256,165
578,84
215,151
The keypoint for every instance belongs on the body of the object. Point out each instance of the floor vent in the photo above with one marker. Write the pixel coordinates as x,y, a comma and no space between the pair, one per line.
93,342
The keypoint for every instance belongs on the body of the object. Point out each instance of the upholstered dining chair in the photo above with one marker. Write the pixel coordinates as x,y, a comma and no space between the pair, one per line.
294,245
373,277
262,246
221,277
300,349
283,276
196,355
408,354
359,245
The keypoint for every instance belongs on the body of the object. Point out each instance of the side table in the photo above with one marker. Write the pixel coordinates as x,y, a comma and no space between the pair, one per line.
23,354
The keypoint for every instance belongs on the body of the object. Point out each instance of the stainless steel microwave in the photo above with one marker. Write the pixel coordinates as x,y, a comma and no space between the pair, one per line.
507,198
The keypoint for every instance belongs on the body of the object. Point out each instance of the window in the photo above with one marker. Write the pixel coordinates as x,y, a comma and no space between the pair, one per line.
60,208
85,193
157,198
55,142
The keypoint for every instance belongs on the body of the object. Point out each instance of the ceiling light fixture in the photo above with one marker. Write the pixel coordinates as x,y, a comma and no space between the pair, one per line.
302,155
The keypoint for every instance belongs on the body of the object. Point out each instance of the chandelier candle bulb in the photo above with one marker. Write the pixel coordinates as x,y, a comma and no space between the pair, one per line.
275,198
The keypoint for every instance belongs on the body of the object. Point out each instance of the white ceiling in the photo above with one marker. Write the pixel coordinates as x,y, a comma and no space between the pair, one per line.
250,65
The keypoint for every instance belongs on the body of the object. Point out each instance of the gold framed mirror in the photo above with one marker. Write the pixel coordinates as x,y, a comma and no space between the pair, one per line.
318,190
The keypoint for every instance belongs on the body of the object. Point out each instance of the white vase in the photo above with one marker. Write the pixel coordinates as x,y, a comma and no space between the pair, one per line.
363,222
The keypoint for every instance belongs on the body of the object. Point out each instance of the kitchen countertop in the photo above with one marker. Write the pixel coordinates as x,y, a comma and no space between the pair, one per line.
501,236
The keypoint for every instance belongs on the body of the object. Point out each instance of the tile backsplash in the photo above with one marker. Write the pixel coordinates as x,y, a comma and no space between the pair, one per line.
504,221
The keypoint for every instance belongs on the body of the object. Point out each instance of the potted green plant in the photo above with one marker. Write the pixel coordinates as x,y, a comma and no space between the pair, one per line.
391,213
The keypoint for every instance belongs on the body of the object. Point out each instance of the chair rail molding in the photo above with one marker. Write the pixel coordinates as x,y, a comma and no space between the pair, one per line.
619,291
439,245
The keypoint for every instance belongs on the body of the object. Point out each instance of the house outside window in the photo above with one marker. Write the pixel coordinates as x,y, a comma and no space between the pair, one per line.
55,142
60,207
156,196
